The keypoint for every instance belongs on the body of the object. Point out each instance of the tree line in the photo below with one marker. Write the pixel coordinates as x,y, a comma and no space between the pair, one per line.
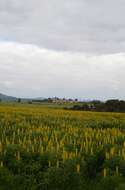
113,105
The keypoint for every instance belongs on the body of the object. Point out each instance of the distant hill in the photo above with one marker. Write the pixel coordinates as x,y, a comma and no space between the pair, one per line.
4,97
39,98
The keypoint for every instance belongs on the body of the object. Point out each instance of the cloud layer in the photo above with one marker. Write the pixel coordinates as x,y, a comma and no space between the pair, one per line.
27,70
92,26
73,48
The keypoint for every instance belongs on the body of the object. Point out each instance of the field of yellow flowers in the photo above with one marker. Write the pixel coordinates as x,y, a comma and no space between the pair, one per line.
47,148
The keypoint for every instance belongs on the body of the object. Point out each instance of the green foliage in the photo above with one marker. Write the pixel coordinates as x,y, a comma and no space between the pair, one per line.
110,183
63,178
121,187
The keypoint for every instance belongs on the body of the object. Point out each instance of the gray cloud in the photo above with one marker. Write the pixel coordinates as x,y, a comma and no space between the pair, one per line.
92,26
27,70
73,48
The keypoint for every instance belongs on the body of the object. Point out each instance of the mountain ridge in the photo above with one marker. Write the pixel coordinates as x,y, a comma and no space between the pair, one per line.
4,97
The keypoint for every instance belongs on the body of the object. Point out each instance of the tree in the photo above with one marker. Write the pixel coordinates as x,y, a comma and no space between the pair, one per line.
19,100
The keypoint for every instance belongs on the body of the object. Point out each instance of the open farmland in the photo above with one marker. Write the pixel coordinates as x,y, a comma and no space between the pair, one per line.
56,149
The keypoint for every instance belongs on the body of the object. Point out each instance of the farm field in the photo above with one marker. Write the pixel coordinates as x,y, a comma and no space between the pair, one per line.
44,148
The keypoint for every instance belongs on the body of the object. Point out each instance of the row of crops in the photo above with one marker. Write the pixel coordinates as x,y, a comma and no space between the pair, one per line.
54,149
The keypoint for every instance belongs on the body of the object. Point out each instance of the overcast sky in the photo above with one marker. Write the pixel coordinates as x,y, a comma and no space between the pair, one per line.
72,48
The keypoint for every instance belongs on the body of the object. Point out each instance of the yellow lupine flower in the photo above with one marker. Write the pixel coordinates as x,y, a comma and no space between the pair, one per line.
78,168
104,172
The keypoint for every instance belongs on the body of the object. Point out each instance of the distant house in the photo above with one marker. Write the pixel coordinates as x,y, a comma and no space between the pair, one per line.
62,100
